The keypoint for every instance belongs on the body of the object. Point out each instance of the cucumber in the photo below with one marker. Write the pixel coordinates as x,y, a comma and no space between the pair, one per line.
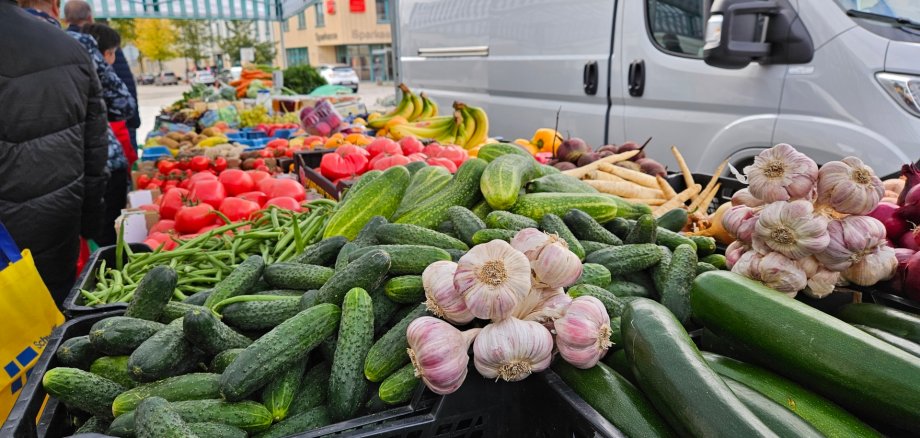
624,288
672,240
405,259
481,210
465,223
896,322
296,424
384,307
887,388
216,430
553,224
463,190
660,271
558,183
368,235
198,298
503,178
415,166
114,368
247,415
702,267
615,398
908,346
423,185
774,415
704,245
152,293
297,275
644,279
489,152
367,272
281,292
679,279
717,260
674,219
534,205
175,310
118,335
586,228
347,386
278,349
509,221
321,253
379,197
455,254
590,246
614,305
279,393
490,234
77,352
341,261
828,418
624,259
208,333
167,353
593,274
542,170
238,282
82,390
388,354
312,391
406,289
224,359
620,227
155,419
353,190
629,210
408,234
399,386
93,425
260,314
644,231
673,375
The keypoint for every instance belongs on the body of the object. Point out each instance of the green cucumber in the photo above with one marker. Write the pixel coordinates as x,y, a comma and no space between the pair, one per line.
614,305
463,190
297,275
885,388
274,351
593,274
481,210
299,423
615,398
388,354
175,310
415,166
152,293
702,267
198,298
624,259
553,224
379,197
672,239
620,227
590,246
223,359
586,228
347,386
489,234
118,335
465,223
774,415
908,346
260,314
408,234
629,210
248,415
282,292
406,289
93,425
446,227
367,272
624,288
704,245
673,375
679,279
455,254
238,282
600,207
368,234
279,393
77,352
423,185
896,322
399,386
365,179
559,183
674,220
167,353
208,333
312,391
384,307
82,390
503,178
645,230
542,170
660,271
216,430
321,253
156,419
341,261
490,152
509,221
644,279
717,260
404,259
114,368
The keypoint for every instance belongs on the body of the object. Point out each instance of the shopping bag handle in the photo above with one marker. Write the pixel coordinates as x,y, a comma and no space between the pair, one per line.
9,252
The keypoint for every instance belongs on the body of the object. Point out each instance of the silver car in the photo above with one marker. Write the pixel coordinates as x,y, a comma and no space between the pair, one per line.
340,75
166,78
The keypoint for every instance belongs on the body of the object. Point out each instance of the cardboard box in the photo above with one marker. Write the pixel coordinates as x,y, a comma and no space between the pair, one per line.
137,223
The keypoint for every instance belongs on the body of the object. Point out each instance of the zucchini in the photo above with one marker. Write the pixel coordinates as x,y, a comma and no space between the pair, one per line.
423,185
618,362
406,289
586,228
593,274
384,307
717,260
368,234
534,205
624,288
896,322
367,272
590,246
489,152
82,390
465,223
704,245
224,359
673,375
702,267
489,234
774,415
347,386
167,353
887,388
463,190
509,221
274,351
558,183
248,415
279,393
553,224
399,386
644,231
298,423
260,314
238,282
321,253
297,275
216,430
208,333
503,178
77,352
644,279
674,219
481,210
612,303
408,234
155,419
152,293
114,368
679,279
615,398
118,335
379,197
175,310
404,259
388,354
908,346
624,259
620,227
312,391
94,425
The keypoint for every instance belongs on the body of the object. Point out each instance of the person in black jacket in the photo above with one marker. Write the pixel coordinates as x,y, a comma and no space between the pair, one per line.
53,142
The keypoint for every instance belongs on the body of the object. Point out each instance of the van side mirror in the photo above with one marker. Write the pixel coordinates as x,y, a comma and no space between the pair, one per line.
739,32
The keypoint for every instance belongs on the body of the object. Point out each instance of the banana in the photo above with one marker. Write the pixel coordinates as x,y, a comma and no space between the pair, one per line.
426,128
405,109
417,107
431,108
481,132
467,126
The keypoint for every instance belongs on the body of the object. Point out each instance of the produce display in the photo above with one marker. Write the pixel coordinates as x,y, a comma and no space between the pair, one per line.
250,82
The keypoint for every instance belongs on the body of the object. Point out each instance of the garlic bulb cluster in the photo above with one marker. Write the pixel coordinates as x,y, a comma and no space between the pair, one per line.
801,228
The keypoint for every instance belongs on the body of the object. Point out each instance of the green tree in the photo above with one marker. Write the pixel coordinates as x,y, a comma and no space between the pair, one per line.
240,35
194,39
302,79
155,39
125,28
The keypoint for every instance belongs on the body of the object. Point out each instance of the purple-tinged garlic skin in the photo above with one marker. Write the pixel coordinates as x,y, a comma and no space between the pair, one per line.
871,268
791,229
851,238
740,221
744,197
438,352
781,173
493,278
442,298
583,333
512,349
849,186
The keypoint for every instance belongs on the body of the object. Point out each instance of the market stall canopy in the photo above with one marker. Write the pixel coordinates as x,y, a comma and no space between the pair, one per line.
200,9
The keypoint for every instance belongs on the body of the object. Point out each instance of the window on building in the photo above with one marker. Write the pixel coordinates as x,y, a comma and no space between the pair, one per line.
320,17
302,20
284,26
383,11
297,56
677,26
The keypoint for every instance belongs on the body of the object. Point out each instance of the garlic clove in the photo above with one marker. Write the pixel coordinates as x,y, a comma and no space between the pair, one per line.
442,298
493,278
822,283
733,252
531,241
438,352
781,173
583,333
512,349
740,221
744,197
551,305
782,274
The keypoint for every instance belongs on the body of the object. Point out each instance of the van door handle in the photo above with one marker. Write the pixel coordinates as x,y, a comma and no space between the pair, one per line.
589,78
636,84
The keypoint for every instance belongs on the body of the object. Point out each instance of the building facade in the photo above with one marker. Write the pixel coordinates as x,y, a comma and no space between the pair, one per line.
350,32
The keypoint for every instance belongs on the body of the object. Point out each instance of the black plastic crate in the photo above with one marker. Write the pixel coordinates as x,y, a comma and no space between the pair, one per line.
726,190
305,163
73,304
893,301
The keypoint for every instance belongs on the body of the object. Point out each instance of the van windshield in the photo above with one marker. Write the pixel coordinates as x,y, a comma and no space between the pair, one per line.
894,11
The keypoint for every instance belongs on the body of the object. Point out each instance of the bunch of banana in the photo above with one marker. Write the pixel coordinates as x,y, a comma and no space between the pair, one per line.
411,107
475,128
467,127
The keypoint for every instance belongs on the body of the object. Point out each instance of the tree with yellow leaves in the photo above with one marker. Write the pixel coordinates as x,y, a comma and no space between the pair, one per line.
155,39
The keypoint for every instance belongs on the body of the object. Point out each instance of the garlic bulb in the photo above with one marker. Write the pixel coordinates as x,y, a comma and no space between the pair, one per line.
874,267
492,278
773,270
744,197
443,300
791,229
544,306
530,241
850,239
821,283
734,252
781,173
739,221
512,349
849,186
583,333
551,261
438,352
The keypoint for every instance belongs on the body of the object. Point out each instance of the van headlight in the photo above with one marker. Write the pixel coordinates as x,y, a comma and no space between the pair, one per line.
905,89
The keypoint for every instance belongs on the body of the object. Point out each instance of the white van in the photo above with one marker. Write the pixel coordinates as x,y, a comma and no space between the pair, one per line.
831,77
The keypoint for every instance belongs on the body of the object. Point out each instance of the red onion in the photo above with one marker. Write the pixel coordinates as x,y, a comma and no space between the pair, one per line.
912,173
911,278
908,240
910,204
903,255
894,225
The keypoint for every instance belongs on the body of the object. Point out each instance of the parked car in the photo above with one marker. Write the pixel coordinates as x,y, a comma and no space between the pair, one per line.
145,79
831,77
204,77
340,75
167,78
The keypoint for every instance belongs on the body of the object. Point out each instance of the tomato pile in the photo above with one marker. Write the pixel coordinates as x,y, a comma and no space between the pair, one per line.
349,160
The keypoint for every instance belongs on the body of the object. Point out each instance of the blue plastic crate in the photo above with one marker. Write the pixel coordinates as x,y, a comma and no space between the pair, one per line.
155,152
284,133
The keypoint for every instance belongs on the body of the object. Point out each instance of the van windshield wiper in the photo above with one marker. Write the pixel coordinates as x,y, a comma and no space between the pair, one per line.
897,21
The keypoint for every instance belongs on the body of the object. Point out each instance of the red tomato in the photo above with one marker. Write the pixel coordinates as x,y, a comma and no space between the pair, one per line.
153,244
418,156
209,191
193,218
263,168
410,145
544,157
238,209
183,164
236,181
454,153
185,184
443,162
386,161
199,163
176,174
433,150
288,188
219,165
286,203
162,226
281,150
313,139
257,197
276,143
341,164
171,202
352,149
267,153
265,185
164,166
258,175
155,184
142,181
202,176
169,185
383,145
149,207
